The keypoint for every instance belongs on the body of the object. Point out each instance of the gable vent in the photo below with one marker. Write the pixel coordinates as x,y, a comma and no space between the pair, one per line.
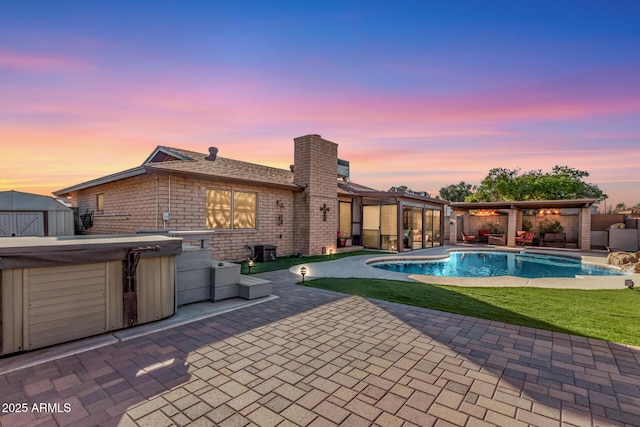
213,153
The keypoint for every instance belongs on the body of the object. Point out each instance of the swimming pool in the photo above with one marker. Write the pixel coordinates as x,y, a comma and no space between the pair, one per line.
490,264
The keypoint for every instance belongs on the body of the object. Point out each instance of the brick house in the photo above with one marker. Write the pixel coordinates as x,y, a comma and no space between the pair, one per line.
299,210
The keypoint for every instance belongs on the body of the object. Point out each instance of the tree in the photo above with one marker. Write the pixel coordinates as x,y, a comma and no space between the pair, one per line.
457,192
620,207
495,187
562,183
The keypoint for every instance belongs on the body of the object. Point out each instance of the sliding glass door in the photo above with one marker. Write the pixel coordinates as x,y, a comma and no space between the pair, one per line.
371,227
389,227
380,227
412,227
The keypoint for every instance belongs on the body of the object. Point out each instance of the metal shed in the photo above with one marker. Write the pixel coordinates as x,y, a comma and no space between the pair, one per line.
26,214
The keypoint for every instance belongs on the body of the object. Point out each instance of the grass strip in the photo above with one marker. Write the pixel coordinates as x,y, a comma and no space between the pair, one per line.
283,263
611,315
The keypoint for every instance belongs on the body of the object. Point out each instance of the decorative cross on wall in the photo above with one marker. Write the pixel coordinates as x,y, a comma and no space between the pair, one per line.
324,210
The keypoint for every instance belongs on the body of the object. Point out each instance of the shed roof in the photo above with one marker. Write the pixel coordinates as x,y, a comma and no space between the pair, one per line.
18,201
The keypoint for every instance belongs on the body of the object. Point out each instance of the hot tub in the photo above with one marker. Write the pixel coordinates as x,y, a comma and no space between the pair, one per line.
59,289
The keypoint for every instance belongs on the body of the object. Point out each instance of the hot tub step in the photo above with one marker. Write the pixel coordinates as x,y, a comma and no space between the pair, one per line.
253,287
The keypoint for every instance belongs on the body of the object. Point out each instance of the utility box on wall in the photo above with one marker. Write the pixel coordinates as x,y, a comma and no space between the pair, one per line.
264,253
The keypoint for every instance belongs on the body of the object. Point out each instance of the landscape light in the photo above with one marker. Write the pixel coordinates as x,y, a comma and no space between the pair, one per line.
249,264
303,271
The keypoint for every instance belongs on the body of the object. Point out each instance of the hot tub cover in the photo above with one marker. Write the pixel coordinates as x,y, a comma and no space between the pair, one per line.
30,252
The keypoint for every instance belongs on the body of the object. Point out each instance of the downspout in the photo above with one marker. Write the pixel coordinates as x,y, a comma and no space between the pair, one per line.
168,216
157,202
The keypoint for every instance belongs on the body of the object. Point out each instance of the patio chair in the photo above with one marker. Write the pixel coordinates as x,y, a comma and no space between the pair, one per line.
483,236
525,238
466,238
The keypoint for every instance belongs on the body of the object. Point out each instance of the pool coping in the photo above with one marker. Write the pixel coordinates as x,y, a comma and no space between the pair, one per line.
357,267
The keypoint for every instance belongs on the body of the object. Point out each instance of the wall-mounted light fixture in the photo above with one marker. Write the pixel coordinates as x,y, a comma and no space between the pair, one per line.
549,212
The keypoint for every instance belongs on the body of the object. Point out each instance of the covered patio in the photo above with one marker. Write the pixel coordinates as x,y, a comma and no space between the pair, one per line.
506,219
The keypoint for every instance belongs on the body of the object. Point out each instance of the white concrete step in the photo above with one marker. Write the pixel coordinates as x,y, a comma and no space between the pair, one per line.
253,287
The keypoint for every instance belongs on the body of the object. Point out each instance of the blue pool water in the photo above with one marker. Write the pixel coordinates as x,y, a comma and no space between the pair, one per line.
489,264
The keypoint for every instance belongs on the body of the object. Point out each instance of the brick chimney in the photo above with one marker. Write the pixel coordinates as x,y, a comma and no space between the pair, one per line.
316,209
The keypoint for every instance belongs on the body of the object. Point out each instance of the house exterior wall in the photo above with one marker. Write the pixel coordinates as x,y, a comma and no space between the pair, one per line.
295,221
138,203
316,211
129,205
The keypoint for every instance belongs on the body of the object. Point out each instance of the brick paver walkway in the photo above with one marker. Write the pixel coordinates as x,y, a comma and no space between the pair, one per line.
319,358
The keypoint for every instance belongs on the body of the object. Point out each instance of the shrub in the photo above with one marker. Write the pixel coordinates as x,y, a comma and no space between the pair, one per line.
548,226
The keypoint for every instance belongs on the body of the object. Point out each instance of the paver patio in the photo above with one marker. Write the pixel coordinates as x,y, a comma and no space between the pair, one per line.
314,357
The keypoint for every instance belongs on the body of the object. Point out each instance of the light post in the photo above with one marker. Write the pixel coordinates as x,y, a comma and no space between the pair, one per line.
249,264
330,253
303,271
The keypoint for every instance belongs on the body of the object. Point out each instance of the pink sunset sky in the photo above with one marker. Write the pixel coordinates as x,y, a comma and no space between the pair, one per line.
424,95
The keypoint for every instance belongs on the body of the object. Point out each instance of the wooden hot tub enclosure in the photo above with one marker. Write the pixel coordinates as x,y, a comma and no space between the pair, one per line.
58,289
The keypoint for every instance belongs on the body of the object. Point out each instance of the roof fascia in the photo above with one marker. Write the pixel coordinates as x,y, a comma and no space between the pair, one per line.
103,180
401,196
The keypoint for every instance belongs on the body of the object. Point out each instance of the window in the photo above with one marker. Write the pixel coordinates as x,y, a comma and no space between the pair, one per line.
345,218
100,202
231,210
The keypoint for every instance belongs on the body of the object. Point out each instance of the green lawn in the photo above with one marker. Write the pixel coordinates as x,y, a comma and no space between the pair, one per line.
612,315
288,262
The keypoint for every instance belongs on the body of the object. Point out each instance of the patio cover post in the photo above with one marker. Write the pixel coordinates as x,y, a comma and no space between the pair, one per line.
400,228
512,226
453,227
585,229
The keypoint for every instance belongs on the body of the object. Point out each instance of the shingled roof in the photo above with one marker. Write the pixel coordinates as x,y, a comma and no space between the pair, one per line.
191,163
351,188
178,161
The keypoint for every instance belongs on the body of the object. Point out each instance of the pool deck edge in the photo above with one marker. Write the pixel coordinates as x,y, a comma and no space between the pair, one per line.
358,267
